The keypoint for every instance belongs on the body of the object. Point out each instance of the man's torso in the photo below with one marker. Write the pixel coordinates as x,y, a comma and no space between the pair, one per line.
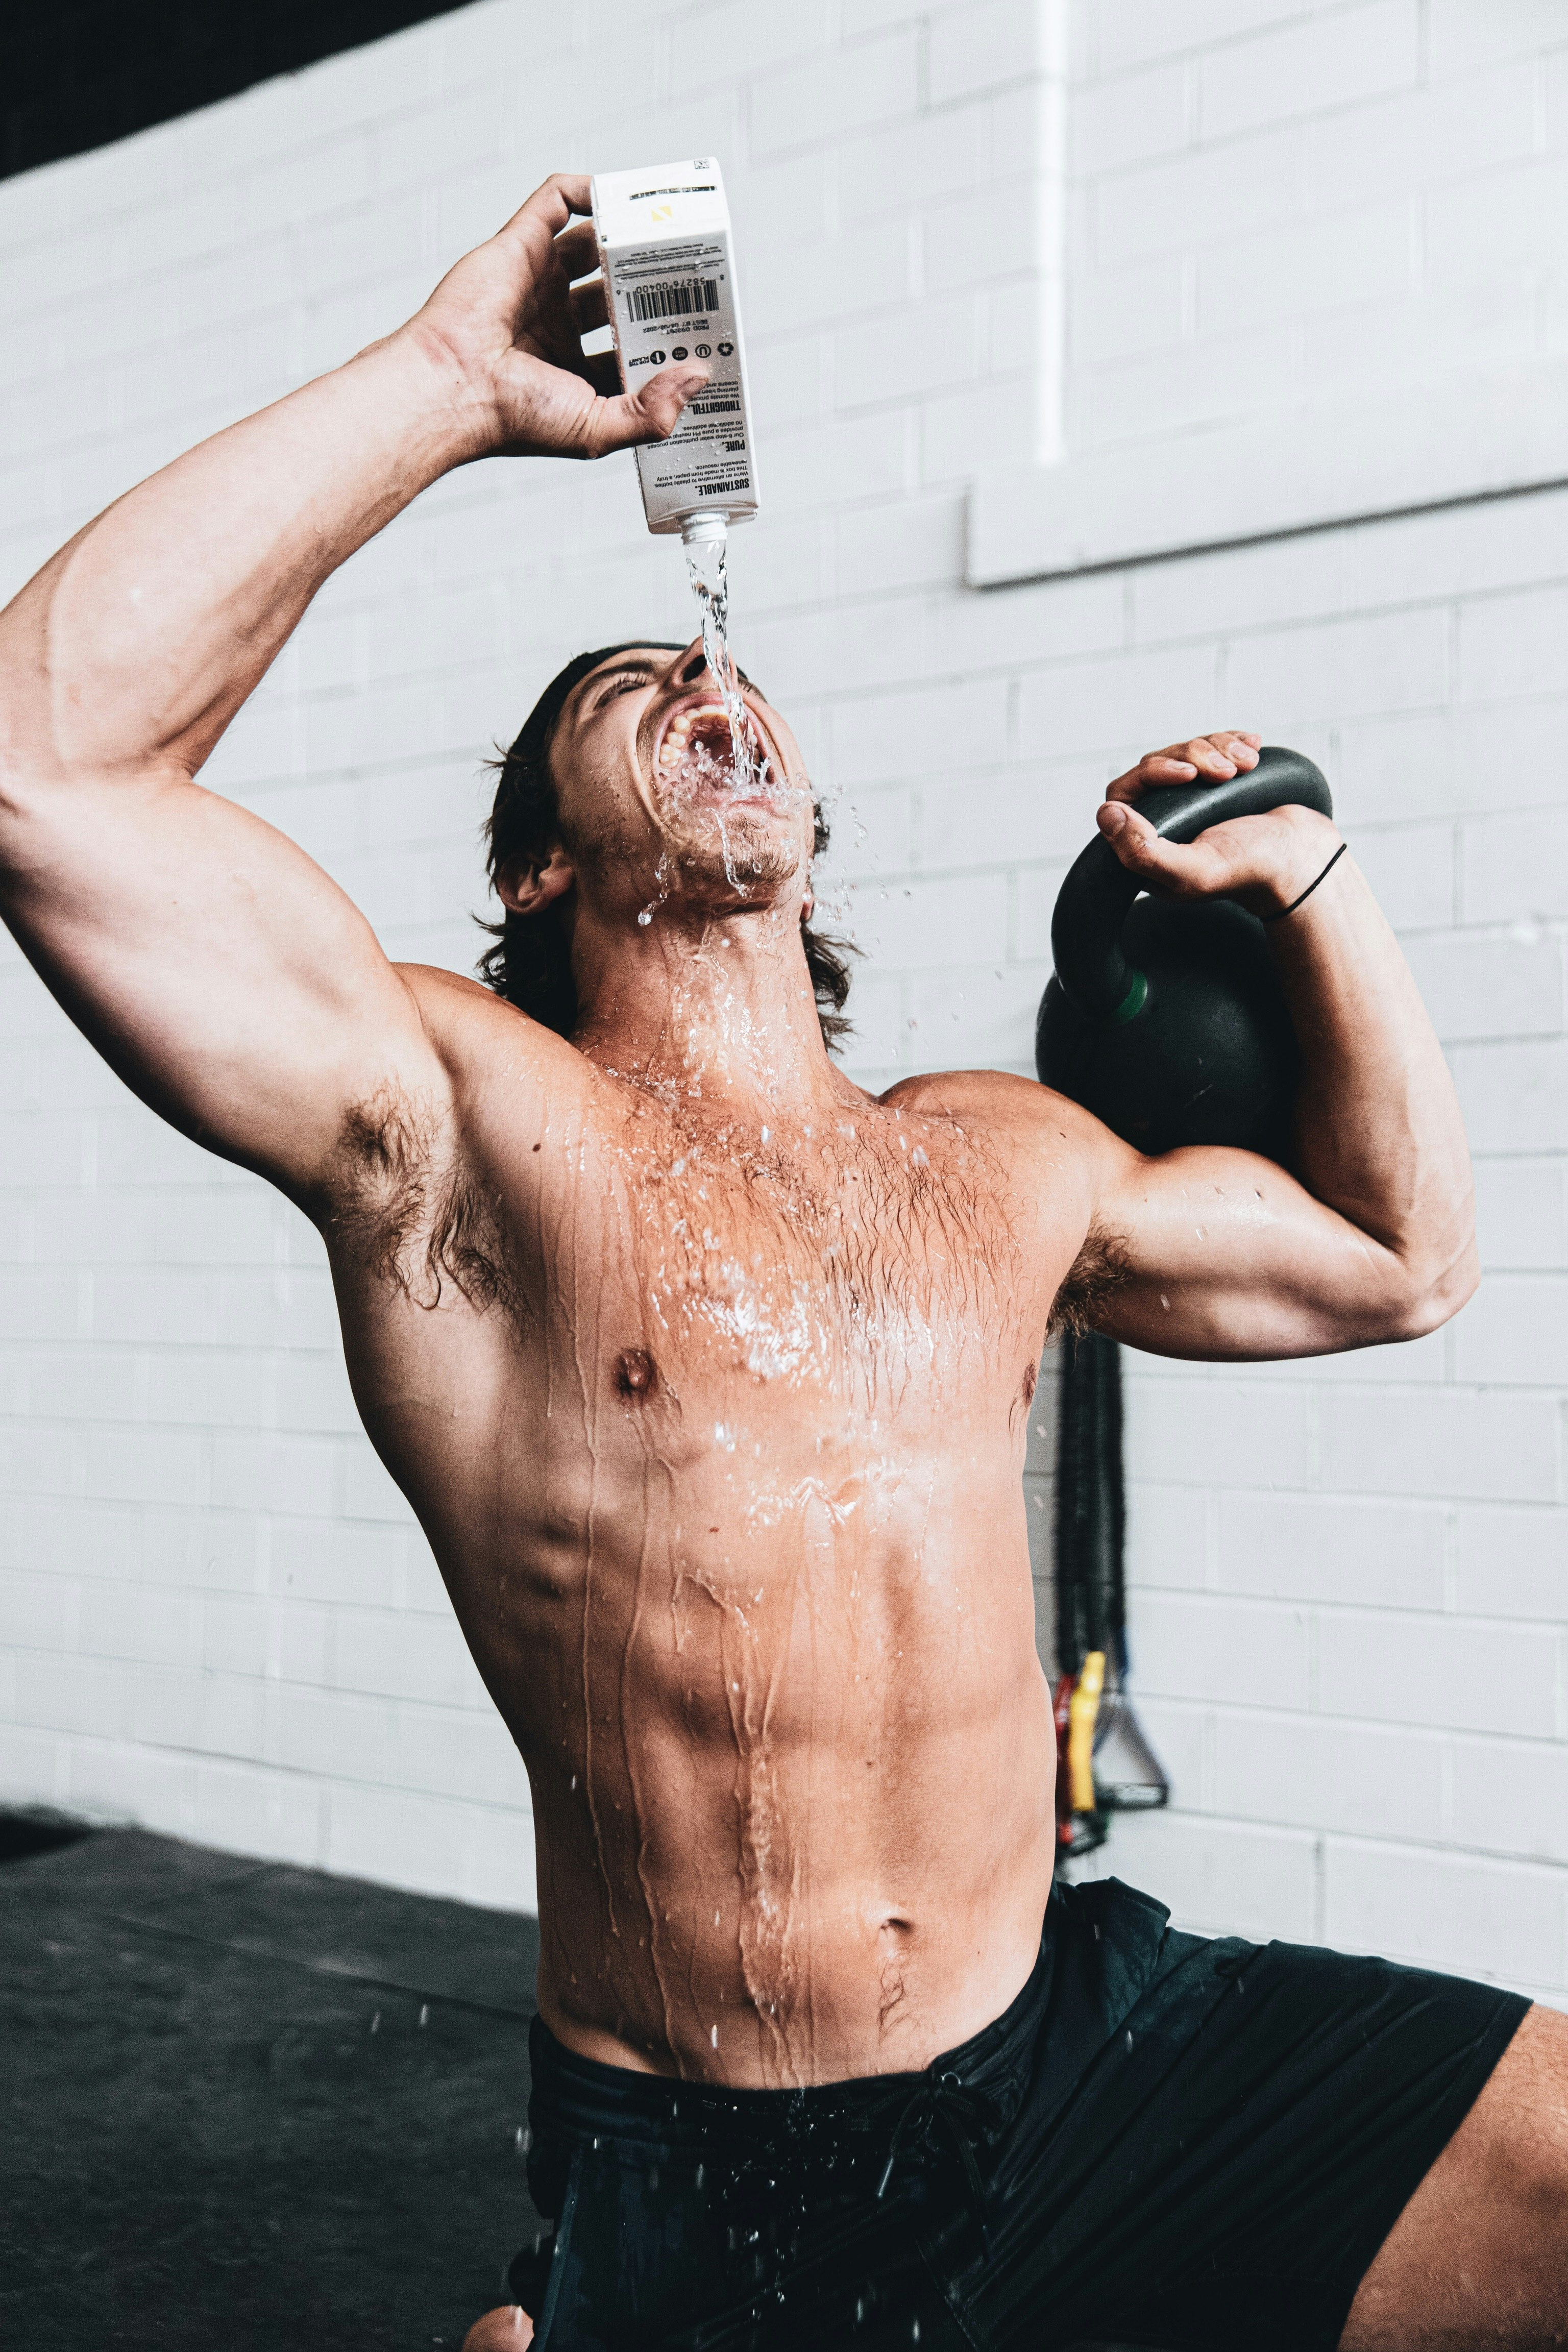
716,1427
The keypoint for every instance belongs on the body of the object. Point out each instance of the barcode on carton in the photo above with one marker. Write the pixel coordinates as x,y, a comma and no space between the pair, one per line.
675,300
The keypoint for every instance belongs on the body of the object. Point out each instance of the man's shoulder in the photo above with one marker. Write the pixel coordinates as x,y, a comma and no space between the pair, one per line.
469,1025
451,996
1000,1098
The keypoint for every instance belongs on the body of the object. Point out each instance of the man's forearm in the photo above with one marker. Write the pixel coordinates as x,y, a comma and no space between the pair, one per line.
1380,1138
137,642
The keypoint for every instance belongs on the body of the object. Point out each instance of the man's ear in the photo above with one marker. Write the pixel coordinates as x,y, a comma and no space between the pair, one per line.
528,889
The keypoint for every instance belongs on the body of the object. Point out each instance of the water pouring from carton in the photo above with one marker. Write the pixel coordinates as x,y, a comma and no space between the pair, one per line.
667,247
706,538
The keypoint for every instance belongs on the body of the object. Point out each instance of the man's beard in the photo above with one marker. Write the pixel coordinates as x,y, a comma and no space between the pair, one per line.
707,849
710,849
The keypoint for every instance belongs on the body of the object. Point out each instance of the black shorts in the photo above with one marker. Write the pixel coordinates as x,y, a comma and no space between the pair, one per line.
1164,2141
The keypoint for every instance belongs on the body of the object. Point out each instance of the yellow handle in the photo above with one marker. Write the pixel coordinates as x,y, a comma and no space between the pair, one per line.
1083,1708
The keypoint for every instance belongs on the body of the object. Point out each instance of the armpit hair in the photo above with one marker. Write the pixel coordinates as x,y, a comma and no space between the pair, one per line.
1102,1267
410,1216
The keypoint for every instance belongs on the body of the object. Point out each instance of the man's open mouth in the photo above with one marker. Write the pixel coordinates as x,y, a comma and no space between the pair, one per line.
697,750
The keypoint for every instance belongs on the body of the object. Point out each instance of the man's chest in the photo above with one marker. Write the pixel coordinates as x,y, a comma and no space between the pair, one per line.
787,1270
721,1288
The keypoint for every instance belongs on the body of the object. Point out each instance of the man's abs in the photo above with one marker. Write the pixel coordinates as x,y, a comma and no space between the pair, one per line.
794,1808
789,1741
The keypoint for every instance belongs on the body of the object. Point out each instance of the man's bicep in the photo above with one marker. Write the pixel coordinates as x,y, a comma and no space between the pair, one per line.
1218,1255
217,968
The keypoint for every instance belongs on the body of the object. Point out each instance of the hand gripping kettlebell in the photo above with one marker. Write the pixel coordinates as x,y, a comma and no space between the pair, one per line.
1164,1016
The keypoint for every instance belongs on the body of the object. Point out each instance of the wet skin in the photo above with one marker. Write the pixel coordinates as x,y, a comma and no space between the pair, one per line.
727,1494
728,1498
716,1421
707,1374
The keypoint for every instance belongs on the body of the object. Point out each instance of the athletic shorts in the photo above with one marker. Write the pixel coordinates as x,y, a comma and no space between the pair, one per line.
1163,2142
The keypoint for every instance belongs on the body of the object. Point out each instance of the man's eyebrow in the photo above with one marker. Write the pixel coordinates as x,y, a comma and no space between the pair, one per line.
634,665
641,666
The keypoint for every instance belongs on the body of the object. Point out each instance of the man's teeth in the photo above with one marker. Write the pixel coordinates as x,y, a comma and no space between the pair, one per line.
678,738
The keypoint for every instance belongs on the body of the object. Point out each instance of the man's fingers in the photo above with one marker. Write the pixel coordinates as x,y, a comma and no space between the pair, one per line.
1218,756
650,414
590,306
1128,833
577,249
550,208
1154,768
664,396
555,201
1185,870
603,370
1222,753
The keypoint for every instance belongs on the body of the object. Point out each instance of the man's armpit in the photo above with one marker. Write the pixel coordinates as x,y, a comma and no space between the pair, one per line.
1102,1267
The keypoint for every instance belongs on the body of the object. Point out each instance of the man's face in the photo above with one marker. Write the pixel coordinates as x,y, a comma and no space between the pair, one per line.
645,778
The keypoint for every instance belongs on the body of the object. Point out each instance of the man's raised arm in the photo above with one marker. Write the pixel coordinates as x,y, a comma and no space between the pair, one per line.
1221,1254
224,975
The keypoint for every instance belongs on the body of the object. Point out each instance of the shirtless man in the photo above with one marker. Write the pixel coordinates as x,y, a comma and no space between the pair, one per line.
708,1376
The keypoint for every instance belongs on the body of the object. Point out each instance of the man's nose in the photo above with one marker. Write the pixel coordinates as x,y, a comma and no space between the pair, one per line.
693,663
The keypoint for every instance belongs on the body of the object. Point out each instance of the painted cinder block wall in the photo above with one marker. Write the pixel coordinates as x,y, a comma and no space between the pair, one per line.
972,235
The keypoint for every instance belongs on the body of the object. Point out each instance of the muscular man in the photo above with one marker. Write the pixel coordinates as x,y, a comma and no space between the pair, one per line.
708,1376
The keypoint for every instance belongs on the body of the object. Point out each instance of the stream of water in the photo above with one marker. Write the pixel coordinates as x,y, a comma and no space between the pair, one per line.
707,568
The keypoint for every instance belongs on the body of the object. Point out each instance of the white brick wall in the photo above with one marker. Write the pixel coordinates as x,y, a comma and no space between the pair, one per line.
1350,1578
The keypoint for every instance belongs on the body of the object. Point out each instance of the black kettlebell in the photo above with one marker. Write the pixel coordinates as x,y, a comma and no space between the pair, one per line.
1164,1016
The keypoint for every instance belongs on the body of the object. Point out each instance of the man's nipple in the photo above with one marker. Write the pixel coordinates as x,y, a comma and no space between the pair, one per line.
636,1375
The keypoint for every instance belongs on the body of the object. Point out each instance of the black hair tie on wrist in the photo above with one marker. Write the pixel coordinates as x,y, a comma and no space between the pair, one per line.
1280,913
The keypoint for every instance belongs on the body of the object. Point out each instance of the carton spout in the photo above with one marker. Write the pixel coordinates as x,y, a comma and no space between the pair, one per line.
704,530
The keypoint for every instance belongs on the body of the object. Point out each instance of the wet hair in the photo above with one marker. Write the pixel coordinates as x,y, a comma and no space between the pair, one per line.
529,962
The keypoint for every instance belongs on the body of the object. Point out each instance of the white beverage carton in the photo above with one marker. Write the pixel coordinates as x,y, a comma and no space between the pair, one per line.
669,270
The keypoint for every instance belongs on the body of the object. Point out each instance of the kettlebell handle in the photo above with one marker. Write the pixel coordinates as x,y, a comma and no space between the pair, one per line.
1091,906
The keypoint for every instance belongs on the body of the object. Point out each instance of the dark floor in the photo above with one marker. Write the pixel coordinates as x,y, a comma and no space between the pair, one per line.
250,2107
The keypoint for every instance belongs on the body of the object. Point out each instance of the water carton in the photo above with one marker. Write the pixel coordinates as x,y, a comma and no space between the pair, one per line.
670,270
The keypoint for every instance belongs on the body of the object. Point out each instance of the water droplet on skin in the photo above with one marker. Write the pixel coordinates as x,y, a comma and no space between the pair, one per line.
645,916
714,2037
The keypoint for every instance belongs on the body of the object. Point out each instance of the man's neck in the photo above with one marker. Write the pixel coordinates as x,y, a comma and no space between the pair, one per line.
716,1007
